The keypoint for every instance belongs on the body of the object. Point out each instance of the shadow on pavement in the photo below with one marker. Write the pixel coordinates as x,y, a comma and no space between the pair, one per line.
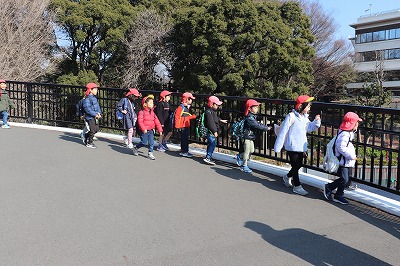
307,246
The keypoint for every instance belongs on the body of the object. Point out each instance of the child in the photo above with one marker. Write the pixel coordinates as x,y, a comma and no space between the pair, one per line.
5,103
163,112
250,128
92,113
86,128
147,121
211,122
130,117
293,135
346,154
182,121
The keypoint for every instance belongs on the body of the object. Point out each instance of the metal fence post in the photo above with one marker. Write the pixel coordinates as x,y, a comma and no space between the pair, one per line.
29,102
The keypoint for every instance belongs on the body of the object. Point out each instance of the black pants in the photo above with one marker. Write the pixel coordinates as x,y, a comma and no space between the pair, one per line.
296,161
342,181
94,128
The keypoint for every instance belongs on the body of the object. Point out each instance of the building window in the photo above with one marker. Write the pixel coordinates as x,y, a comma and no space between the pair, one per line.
375,36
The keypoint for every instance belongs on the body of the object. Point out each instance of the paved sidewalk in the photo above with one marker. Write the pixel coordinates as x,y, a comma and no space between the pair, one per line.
65,204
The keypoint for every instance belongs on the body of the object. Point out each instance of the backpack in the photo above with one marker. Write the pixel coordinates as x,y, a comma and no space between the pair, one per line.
172,117
123,102
237,129
331,162
80,110
278,127
201,130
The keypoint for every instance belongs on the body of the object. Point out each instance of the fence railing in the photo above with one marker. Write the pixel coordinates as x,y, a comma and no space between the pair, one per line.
377,141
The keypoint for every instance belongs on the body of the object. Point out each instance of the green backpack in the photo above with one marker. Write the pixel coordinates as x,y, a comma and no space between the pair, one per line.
201,130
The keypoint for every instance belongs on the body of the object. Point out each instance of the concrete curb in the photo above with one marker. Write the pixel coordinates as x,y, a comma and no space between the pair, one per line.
371,199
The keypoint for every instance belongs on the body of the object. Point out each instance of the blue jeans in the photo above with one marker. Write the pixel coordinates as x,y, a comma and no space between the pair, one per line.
5,117
211,144
146,138
185,140
340,183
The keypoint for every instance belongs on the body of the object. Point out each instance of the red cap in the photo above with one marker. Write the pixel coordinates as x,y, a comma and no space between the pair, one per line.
249,104
302,99
187,95
349,121
2,81
212,100
133,91
91,85
164,93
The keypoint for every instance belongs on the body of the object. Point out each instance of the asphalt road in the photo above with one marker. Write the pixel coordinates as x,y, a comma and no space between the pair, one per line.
64,204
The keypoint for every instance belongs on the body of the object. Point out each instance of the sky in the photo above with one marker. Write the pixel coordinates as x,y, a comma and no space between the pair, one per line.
346,12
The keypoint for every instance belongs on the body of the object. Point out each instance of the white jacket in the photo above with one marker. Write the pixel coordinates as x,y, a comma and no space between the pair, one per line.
344,147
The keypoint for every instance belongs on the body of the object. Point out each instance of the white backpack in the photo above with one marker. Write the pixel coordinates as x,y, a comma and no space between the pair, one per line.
331,162
278,127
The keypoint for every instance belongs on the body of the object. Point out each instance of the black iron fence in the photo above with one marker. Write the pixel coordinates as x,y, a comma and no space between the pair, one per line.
377,141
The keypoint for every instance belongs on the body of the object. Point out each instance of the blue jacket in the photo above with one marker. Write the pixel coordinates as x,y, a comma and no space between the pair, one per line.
91,106
252,126
294,137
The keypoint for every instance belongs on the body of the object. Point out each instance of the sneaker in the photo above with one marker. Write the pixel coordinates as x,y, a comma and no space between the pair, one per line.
209,161
300,190
327,193
151,156
186,154
83,137
164,144
340,199
351,187
287,181
95,138
245,169
239,160
91,145
135,151
130,146
6,126
125,139
160,148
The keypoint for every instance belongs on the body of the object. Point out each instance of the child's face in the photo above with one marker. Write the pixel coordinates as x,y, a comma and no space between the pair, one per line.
150,103
254,109
307,109
3,85
215,106
94,91
167,98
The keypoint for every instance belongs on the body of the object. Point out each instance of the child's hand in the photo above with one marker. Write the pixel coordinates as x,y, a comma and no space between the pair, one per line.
124,112
224,121
216,134
145,131
317,117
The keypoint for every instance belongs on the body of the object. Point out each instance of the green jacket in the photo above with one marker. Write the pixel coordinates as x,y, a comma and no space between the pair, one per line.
5,101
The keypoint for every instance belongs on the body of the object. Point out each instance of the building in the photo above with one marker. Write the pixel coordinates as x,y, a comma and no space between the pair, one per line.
377,47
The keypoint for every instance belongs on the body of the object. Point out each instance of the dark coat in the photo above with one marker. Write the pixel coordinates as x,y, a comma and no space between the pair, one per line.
252,126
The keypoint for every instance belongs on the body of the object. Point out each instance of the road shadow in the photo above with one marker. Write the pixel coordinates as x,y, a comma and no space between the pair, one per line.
71,138
313,248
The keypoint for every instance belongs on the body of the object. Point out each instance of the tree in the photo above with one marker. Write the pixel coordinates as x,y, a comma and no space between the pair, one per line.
242,48
332,64
27,39
144,50
95,29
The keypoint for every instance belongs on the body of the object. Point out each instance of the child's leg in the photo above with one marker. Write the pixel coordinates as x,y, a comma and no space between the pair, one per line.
167,137
160,139
185,140
151,140
130,134
296,161
143,140
93,130
211,144
248,147
5,117
341,182
86,129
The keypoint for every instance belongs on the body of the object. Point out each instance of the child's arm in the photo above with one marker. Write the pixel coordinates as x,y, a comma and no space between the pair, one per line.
140,121
255,125
314,125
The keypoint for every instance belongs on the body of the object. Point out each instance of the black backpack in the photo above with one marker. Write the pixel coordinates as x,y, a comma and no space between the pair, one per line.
80,110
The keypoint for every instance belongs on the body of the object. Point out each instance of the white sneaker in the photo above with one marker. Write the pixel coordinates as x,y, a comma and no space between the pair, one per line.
186,154
287,181
135,151
95,138
151,156
300,190
209,161
129,146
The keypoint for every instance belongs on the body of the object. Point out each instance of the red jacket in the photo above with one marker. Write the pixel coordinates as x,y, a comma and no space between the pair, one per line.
148,120
183,117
